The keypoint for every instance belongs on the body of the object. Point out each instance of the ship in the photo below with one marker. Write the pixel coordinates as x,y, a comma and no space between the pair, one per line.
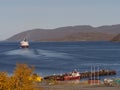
72,76
24,43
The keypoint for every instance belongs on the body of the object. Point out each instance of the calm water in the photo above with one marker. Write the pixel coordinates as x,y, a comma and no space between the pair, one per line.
59,57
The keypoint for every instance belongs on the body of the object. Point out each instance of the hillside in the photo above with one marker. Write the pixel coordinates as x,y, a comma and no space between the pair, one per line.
116,38
69,33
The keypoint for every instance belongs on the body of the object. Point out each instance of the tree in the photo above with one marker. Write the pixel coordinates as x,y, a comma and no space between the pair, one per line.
21,77
19,80
3,81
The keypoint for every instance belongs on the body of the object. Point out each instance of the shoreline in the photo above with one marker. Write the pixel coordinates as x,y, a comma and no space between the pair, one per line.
76,87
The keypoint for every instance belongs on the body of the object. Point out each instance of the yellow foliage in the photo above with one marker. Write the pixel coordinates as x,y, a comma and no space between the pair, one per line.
3,80
21,77
36,78
19,80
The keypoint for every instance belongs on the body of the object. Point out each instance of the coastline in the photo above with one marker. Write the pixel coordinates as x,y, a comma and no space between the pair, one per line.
76,87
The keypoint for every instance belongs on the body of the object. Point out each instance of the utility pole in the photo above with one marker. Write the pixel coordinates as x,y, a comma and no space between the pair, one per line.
98,75
91,75
94,75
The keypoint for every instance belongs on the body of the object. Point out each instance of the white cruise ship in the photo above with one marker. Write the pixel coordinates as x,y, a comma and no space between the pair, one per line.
24,44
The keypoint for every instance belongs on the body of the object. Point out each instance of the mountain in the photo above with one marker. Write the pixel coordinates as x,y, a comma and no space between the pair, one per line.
110,29
88,36
116,38
69,33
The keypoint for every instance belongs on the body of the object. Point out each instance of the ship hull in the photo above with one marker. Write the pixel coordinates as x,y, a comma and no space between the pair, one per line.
66,78
71,78
24,46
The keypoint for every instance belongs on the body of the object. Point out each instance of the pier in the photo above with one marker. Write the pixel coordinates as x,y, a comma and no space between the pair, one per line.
83,75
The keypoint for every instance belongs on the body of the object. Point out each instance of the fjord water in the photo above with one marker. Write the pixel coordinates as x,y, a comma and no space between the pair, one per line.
60,57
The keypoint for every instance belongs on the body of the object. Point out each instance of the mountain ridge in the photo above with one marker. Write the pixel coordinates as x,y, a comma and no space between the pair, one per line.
70,33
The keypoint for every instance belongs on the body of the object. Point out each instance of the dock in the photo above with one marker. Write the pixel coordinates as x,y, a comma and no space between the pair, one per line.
83,75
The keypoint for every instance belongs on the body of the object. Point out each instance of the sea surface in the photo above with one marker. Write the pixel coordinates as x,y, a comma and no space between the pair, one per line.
60,57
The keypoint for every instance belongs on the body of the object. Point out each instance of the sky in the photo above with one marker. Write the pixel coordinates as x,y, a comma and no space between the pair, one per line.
20,15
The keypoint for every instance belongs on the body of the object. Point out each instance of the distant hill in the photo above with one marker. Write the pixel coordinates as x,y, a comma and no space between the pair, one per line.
69,33
116,38
110,29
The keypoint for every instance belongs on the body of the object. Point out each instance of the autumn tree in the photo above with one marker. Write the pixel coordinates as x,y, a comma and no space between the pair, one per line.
3,81
21,77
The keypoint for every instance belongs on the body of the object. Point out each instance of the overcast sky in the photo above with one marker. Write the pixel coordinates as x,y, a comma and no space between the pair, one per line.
20,15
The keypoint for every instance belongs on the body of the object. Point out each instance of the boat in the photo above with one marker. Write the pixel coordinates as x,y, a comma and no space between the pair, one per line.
72,76
24,43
